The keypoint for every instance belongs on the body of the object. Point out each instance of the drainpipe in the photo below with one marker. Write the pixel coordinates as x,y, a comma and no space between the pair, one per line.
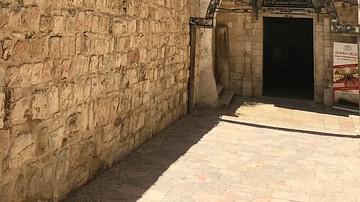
192,68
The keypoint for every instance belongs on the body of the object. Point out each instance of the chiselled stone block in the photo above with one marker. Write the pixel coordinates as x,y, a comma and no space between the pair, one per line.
22,150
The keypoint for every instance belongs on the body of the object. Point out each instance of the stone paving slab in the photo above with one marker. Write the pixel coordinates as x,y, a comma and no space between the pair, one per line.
200,158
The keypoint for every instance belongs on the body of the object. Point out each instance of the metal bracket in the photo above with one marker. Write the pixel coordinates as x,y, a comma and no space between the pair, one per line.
208,21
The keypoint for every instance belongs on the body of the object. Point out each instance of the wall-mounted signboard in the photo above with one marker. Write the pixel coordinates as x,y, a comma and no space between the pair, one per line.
346,75
288,3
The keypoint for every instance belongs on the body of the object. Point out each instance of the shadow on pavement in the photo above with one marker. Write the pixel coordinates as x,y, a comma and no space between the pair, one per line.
311,132
303,105
129,179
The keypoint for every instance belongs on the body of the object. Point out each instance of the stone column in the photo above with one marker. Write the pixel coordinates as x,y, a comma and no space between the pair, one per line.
206,93
247,81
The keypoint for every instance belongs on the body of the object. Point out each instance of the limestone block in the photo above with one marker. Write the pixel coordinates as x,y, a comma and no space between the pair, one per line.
19,189
84,43
21,51
62,164
131,26
79,24
53,100
5,191
56,138
46,74
41,183
78,66
37,48
236,76
22,150
133,56
73,3
101,112
6,48
94,64
95,24
247,86
4,18
69,24
114,105
39,106
54,47
67,46
14,20
66,95
98,86
102,46
36,73
2,109
139,120
82,90
34,18
46,24
86,150
59,24
119,26
133,76
23,77
125,102
4,143
65,68
20,111
42,143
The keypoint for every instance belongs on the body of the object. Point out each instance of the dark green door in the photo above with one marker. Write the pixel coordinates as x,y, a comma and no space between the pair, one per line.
288,58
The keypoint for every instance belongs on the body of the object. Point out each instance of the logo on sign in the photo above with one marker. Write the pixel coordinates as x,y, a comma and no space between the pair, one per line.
347,48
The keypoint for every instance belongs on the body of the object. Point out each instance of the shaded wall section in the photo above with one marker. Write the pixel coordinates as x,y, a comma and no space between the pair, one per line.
83,84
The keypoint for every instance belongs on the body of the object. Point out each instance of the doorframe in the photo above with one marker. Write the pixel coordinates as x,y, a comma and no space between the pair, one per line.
318,53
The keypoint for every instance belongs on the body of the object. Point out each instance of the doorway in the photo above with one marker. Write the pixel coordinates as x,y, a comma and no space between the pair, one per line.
288,70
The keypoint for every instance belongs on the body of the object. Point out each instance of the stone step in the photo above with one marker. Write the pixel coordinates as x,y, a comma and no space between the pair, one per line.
219,88
226,97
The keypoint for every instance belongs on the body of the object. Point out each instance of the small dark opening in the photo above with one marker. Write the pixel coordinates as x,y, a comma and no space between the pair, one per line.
288,70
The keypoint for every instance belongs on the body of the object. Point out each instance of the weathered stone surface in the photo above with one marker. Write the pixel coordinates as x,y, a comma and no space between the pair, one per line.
21,51
2,109
39,106
56,138
4,192
40,184
62,164
4,143
19,191
20,111
77,80
22,150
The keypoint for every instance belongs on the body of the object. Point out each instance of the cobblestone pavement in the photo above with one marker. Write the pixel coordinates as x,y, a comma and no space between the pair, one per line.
245,155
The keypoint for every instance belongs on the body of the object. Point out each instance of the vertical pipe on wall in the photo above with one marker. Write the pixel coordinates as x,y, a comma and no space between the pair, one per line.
192,68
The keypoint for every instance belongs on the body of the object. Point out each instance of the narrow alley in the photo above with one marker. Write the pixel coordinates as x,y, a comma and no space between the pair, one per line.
216,156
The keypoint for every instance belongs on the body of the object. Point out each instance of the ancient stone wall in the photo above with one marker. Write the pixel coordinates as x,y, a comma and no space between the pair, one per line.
84,82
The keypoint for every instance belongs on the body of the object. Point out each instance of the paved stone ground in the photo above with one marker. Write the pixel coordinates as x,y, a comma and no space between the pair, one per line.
250,157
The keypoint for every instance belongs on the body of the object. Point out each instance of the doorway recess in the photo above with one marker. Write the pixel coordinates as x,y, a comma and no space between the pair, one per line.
288,70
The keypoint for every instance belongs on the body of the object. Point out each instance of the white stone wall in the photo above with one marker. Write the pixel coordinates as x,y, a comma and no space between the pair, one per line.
82,84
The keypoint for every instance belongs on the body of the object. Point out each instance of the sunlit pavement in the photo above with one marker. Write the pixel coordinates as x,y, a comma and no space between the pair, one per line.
257,150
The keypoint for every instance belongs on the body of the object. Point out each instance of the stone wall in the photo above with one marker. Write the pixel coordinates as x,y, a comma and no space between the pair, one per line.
84,82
